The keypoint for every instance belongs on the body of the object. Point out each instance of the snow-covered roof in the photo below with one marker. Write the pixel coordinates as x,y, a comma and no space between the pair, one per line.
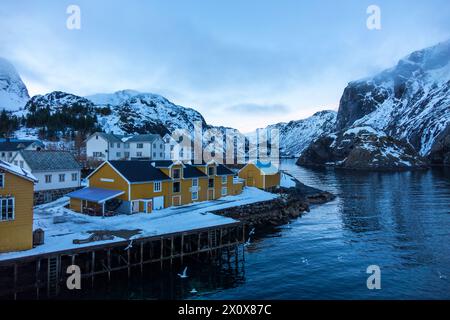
266,168
97,195
18,171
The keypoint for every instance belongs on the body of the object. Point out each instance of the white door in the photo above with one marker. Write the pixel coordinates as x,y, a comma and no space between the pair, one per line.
158,203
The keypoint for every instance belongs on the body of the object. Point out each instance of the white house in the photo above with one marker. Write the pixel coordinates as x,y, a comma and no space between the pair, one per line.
57,172
146,146
177,150
105,146
10,147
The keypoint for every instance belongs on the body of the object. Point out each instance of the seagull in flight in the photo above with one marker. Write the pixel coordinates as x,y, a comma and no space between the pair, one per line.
184,274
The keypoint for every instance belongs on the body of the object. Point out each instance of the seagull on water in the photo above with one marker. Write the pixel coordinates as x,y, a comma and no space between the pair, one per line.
247,242
184,274
193,291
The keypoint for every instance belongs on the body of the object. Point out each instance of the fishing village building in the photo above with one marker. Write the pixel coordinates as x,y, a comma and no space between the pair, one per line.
16,208
10,147
262,175
143,186
57,172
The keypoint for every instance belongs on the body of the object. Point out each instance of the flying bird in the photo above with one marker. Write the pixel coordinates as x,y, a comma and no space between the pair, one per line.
184,274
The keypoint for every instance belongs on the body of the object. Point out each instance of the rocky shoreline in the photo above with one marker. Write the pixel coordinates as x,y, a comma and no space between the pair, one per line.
292,203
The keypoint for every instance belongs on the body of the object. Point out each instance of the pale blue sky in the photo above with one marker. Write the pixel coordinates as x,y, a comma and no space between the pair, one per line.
241,63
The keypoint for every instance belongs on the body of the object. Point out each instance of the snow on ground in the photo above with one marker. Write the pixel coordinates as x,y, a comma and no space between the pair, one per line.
62,226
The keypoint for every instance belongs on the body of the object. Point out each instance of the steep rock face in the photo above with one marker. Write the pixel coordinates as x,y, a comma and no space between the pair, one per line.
13,92
362,148
410,102
295,136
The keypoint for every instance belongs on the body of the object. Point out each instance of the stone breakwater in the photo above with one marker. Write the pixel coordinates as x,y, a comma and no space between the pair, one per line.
292,203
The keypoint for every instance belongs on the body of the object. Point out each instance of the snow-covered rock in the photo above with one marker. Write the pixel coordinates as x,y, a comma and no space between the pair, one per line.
13,92
362,148
147,112
404,110
410,102
295,136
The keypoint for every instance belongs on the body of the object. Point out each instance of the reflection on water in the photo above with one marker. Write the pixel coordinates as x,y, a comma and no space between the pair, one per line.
399,221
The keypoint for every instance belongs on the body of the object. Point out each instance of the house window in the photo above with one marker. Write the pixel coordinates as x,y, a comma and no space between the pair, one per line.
96,137
21,163
118,145
157,186
6,209
140,146
160,154
127,146
211,183
97,154
3,154
211,171
16,163
171,147
2,180
127,155
160,146
195,195
112,144
176,187
224,179
48,178
154,145
154,154
62,177
176,173
194,182
138,154
118,154
74,176
10,154
224,191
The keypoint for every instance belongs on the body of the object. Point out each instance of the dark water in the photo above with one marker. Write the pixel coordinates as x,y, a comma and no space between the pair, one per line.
398,221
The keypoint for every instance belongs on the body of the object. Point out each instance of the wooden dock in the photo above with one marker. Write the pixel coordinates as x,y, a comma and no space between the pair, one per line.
45,273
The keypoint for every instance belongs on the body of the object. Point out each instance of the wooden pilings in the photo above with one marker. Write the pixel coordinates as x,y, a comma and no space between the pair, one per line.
50,269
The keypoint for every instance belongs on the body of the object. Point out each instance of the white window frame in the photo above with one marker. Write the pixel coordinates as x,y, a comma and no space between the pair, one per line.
138,154
2,184
224,191
224,179
7,199
62,177
74,176
196,193
195,182
155,188
48,180
139,146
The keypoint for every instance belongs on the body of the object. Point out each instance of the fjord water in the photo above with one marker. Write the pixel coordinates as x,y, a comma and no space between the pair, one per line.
398,221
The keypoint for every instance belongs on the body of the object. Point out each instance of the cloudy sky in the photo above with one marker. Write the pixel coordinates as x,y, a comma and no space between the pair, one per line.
241,63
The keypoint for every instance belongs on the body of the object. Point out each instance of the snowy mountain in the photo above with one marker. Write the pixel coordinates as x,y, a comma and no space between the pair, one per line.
123,112
112,99
295,136
13,92
409,102
145,112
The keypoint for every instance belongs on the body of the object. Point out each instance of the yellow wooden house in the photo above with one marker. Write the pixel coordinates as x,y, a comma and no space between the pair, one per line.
263,175
143,186
16,208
